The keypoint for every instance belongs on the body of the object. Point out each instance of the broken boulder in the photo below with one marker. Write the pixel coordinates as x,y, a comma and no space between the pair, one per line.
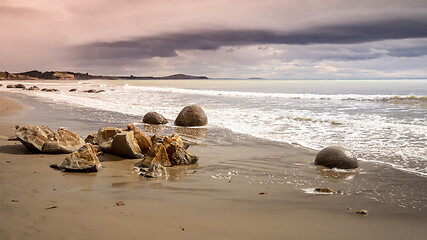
82,160
143,141
64,141
156,155
179,156
124,144
105,137
34,137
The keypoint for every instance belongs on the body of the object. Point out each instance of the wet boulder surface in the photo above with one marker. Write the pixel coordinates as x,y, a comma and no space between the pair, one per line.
191,116
336,157
154,118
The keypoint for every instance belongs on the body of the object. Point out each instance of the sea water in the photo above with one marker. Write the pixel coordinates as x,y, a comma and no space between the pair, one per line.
381,121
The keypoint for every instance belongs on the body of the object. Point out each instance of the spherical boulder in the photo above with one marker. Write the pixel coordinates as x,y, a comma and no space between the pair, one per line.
154,118
191,116
336,157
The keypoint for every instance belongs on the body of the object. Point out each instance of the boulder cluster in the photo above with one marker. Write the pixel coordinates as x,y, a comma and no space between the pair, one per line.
155,153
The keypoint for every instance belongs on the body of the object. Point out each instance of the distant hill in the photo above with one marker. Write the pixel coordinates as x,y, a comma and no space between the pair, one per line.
58,75
183,76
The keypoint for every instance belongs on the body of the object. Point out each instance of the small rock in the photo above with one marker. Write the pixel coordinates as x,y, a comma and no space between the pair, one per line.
90,91
72,90
323,190
33,88
362,212
92,139
191,116
20,86
154,171
336,157
10,86
154,118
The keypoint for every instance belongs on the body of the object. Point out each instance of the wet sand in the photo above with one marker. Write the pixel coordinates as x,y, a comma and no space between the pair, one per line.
200,202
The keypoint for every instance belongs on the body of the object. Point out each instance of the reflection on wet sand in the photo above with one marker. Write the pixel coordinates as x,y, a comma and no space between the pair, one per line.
336,175
194,133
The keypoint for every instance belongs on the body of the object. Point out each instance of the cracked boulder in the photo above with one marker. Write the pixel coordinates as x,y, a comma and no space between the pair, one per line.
105,137
156,155
124,144
83,160
34,137
143,141
64,141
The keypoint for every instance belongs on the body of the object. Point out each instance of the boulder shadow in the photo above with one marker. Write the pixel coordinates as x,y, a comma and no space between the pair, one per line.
16,149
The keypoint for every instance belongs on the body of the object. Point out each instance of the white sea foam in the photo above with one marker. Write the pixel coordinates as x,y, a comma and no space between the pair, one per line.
378,128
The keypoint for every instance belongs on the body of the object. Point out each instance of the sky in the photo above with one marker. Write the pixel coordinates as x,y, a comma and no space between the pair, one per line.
274,39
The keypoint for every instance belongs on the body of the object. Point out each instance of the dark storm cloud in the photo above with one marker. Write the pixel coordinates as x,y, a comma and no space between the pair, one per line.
347,33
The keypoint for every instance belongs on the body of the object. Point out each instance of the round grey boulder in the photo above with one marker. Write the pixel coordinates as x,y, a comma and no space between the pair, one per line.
154,118
191,116
336,157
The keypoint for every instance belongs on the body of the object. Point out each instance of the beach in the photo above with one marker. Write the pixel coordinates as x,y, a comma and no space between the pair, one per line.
243,187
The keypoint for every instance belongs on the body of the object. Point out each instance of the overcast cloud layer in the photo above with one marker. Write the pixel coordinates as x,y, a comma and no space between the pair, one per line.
225,38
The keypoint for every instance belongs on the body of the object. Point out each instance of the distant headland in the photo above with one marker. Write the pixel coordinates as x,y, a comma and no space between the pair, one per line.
58,75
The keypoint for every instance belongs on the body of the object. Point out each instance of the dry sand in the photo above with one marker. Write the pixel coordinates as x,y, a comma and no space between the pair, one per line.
37,202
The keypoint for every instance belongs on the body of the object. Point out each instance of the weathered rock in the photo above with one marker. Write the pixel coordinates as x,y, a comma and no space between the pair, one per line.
34,137
143,141
90,91
124,144
105,137
336,157
51,90
156,139
179,156
154,118
362,212
167,141
83,160
154,171
156,155
324,190
33,88
20,86
72,90
92,139
191,116
64,141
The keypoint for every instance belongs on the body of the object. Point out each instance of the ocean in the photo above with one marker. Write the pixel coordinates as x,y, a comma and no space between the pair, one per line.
381,121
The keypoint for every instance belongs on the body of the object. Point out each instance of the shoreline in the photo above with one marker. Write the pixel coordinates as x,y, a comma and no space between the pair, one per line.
192,203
